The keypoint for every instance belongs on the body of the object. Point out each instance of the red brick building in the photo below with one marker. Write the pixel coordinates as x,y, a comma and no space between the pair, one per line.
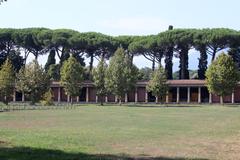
180,91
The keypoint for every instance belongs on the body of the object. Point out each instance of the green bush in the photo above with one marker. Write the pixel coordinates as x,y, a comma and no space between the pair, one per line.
48,99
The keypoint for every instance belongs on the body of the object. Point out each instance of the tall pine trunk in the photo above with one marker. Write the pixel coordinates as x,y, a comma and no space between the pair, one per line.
214,54
202,65
131,58
183,72
169,63
36,57
91,64
153,64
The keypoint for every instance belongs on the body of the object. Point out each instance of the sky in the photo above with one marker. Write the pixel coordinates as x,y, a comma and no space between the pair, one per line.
122,17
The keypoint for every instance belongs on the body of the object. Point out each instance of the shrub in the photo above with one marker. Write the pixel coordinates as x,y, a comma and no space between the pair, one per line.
48,98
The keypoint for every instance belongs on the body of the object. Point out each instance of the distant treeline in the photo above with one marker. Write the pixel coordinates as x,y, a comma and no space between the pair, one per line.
164,46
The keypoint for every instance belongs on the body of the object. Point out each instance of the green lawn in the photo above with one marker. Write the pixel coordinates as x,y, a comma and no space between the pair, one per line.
126,132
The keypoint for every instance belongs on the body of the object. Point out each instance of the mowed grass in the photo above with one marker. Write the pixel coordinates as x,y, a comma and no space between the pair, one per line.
126,132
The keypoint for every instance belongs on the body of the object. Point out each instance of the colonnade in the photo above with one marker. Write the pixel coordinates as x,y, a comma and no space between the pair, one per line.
136,96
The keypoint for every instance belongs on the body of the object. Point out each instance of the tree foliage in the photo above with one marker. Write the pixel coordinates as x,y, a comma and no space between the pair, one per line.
222,76
131,72
99,78
51,60
7,81
33,81
165,45
158,84
71,77
15,58
54,72
47,98
121,75
166,41
145,74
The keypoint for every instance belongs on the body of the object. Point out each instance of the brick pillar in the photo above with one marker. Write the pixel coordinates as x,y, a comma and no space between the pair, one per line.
68,98
136,95
188,95
96,99
23,97
178,97
106,99
146,96
199,95
87,94
156,99
233,98
116,99
126,98
210,98
77,99
167,97
59,95
14,95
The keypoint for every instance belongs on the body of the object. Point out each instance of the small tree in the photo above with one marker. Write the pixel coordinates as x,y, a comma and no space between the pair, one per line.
7,81
158,84
121,75
222,76
33,81
47,98
99,77
72,77
131,74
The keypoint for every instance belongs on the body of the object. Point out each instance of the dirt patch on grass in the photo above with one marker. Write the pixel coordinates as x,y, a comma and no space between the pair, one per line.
4,143
28,124
228,149
221,149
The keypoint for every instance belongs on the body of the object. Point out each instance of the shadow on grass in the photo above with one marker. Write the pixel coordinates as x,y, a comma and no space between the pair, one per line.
26,153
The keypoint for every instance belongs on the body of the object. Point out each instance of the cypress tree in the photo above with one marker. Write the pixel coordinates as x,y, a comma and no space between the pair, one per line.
71,77
168,59
121,75
158,84
33,81
99,77
7,81
51,60
169,63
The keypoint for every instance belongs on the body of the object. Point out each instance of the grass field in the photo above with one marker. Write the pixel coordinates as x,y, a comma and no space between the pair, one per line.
127,132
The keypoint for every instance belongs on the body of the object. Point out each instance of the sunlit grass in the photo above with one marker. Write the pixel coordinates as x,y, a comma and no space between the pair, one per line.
130,131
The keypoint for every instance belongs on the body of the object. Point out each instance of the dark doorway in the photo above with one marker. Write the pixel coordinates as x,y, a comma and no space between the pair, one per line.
172,94
18,96
151,97
183,94
82,96
204,95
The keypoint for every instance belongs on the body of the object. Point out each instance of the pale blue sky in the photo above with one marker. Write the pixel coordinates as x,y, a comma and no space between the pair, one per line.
132,17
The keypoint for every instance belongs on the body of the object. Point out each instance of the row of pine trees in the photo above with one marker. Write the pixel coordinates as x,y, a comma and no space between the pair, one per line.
118,78
18,44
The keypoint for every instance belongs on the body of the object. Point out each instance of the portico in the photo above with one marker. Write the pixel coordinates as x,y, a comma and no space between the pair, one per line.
180,91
